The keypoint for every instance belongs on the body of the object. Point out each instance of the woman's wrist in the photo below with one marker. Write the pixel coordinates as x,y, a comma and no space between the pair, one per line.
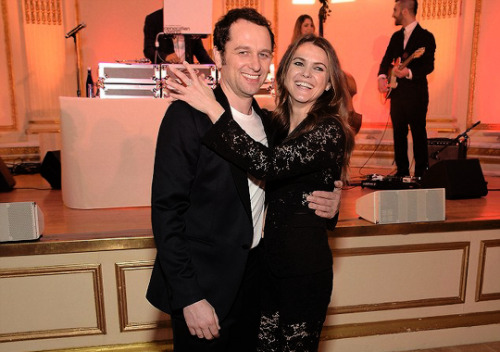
215,113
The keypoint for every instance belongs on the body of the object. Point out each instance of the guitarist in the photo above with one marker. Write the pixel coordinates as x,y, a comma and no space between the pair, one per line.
409,100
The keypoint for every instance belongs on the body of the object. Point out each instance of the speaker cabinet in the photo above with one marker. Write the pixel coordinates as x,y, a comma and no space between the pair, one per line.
20,221
51,168
7,182
399,206
462,179
452,150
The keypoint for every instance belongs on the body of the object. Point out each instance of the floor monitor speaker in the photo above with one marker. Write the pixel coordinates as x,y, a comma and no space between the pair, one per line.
51,168
400,206
20,221
7,182
462,178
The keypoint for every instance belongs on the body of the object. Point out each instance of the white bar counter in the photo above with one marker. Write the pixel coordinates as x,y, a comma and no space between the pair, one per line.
108,148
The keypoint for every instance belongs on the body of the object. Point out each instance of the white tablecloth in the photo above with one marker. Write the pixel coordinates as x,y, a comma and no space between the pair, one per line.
107,152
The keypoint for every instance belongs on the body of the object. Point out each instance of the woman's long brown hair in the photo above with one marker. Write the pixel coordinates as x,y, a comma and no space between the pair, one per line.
331,104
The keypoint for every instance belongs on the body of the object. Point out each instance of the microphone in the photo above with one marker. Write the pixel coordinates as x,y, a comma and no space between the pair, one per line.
475,124
76,30
157,43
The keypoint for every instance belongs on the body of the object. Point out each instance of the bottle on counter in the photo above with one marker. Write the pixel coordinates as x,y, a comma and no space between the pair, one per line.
89,85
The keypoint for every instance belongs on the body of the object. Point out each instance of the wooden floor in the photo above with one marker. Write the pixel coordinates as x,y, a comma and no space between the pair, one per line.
61,221
484,347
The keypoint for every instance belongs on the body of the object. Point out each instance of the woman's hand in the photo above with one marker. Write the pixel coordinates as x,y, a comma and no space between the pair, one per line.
194,91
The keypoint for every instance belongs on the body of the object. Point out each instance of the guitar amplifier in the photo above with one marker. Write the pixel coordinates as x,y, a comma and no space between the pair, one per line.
445,149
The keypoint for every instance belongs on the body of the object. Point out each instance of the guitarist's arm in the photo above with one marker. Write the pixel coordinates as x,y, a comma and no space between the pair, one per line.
424,65
382,84
402,73
386,64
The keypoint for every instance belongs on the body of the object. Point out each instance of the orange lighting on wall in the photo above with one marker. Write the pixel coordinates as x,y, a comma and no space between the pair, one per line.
311,2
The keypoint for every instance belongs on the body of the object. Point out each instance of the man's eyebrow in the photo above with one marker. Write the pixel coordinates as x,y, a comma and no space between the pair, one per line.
244,47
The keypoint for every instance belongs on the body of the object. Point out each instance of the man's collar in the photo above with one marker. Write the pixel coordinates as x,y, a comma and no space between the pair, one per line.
410,27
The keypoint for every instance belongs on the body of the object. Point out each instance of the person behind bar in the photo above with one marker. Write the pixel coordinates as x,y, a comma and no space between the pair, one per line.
409,100
311,146
207,213
304,25
173,49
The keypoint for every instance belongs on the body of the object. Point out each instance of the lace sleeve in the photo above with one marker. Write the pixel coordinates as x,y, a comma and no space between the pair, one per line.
322,147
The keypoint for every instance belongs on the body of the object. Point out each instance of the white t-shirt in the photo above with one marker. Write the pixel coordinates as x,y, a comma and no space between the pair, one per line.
252,125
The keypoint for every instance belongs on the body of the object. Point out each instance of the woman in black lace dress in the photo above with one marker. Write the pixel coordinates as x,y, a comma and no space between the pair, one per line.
310,150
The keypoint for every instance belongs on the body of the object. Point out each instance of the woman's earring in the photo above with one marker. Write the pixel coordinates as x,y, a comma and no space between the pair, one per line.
328,88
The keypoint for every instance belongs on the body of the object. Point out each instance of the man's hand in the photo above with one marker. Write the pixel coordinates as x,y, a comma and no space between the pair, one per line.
173,59
327,204
403,73
202,320
382,85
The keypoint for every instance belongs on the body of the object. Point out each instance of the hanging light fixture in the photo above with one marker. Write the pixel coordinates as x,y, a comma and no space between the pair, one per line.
303,2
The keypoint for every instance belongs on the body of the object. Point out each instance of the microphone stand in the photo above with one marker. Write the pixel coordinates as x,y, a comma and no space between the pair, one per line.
456,140
78,66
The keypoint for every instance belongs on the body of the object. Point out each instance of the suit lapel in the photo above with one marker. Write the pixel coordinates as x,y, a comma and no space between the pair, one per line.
188,50
410,46
239,176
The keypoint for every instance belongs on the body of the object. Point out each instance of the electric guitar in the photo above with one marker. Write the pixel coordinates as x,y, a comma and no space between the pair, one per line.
392,82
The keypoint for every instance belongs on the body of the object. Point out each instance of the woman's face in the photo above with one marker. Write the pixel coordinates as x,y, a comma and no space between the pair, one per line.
308,75
307,27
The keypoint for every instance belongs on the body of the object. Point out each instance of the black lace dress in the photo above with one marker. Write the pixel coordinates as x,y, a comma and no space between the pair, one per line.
297,282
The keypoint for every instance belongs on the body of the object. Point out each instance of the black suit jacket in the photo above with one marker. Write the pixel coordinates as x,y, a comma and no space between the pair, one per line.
201,216
154,25
416,88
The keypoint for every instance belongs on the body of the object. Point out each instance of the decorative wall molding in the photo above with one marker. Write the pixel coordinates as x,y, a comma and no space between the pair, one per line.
43,12
233,4
439,9
125,324
409,325
483,257
93,269
459,298
10,72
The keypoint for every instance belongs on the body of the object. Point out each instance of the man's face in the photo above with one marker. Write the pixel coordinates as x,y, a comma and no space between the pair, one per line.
245,65
397,14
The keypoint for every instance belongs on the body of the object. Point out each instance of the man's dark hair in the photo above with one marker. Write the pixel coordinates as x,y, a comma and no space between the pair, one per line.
411,5
221,30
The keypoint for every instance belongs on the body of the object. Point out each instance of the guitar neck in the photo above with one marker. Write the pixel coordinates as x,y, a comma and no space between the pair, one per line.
407,61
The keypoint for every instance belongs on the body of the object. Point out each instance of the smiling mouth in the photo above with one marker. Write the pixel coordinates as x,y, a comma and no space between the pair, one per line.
304,85
252,77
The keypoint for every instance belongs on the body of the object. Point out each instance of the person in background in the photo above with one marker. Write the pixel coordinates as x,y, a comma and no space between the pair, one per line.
304,25
311,147
410,99
172,49
207,213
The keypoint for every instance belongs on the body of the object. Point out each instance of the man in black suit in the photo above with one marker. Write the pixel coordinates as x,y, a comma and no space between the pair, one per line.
409,101
207,214
171,47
